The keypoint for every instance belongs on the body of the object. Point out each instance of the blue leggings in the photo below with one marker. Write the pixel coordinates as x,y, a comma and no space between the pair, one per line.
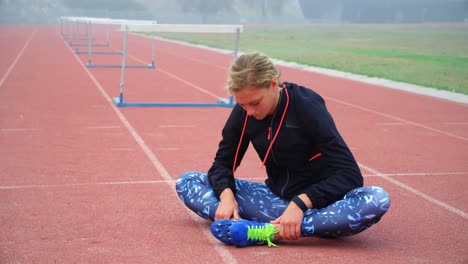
358,210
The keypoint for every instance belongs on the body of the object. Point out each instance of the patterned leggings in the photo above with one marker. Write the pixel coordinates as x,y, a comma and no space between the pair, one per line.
358,210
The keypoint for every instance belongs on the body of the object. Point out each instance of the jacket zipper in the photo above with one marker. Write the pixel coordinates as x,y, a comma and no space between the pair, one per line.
270,128
271,122
286,184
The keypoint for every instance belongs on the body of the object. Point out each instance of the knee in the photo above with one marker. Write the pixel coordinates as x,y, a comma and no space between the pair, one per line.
187,178
372,197
379,197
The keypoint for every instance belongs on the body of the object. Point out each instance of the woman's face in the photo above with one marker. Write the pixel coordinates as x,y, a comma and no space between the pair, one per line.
258,102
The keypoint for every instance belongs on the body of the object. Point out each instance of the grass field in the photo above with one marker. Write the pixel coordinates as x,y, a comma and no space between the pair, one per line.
434,55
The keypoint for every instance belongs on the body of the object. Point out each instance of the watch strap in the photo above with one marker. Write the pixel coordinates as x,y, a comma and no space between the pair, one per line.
298,201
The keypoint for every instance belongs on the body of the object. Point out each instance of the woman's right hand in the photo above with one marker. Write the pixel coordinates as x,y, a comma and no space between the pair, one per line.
228,208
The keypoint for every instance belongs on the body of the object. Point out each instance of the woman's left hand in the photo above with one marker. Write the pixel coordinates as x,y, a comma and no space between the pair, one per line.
289,223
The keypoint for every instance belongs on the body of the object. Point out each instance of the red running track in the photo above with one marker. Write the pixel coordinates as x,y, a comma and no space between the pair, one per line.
82,181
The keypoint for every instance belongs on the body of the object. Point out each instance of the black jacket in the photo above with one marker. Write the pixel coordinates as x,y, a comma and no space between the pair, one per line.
309,155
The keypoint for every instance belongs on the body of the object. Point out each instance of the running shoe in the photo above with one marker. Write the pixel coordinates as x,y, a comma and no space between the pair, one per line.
243,233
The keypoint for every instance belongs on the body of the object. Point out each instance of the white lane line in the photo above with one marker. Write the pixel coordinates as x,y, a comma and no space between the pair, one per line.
180,79
189,83
18,129
5,76
221,250
177,126
391,124
173,54
155,162
123,149
455,123
103,127
416,174
412,88
397,118
416,192
39,186
403,124
332,99
168,149
196,60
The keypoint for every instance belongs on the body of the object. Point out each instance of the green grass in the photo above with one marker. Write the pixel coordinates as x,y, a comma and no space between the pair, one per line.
434,55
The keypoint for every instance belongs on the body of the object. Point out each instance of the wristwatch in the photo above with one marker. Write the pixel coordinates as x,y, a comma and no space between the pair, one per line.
300,203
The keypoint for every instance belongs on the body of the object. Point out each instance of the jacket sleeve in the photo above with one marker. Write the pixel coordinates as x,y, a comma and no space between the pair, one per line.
220,175
342,172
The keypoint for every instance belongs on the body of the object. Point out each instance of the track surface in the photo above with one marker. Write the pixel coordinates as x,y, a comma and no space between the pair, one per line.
82,181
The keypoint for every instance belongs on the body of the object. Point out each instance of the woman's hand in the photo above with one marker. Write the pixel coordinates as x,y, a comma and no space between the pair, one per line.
228,208
289,223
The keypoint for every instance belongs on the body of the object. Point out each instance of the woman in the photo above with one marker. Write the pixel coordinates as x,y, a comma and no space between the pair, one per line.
314,185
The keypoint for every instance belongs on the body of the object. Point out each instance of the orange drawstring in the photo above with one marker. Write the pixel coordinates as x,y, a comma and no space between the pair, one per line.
315,156
269,134
240,142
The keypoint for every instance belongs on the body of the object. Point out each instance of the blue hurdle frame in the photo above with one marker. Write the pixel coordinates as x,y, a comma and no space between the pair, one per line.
120,101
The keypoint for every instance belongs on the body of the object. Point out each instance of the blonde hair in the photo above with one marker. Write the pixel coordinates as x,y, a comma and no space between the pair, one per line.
254,69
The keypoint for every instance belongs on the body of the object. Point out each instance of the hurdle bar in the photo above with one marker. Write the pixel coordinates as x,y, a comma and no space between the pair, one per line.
119,22
179,28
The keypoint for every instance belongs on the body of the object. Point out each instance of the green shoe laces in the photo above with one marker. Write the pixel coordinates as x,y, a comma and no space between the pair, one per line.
263,233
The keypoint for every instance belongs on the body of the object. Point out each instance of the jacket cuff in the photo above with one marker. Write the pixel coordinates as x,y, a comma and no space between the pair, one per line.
221,186
317,201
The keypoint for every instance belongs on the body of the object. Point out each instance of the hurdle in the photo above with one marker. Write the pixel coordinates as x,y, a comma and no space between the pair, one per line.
74,29
90,21
109,22
178,28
